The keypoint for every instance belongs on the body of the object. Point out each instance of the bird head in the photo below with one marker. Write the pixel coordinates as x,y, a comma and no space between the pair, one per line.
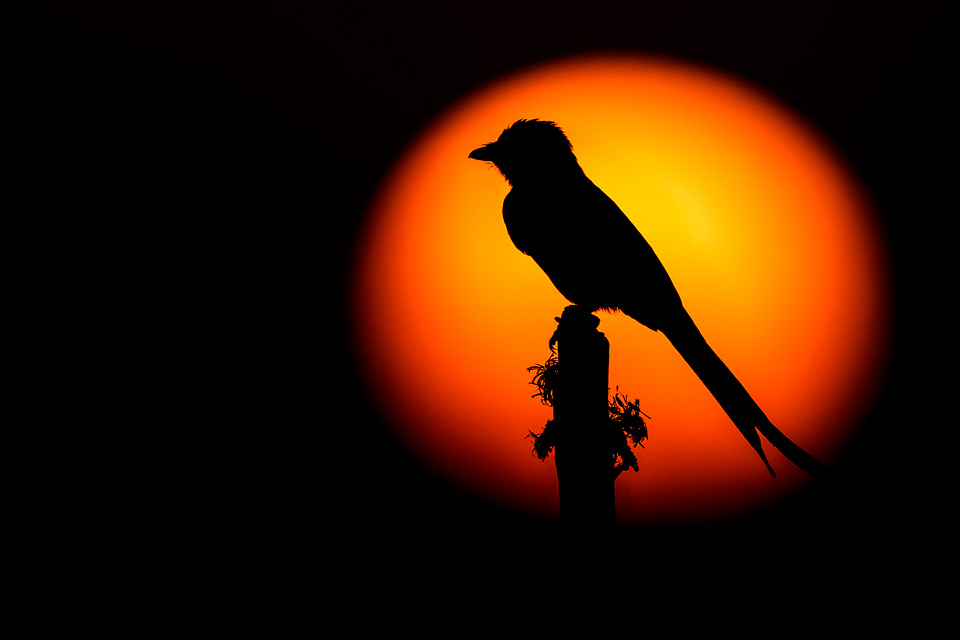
529,149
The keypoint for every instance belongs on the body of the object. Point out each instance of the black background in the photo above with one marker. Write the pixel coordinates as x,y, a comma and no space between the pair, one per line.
184,183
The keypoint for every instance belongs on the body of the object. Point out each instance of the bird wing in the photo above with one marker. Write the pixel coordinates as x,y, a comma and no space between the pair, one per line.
590,249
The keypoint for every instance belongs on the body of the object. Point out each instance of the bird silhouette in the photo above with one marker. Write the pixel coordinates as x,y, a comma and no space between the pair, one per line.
588,248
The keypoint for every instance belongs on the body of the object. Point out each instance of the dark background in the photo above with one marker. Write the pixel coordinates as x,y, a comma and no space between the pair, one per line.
184,182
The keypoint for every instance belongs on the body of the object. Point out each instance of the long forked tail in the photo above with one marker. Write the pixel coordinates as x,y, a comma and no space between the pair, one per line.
746,415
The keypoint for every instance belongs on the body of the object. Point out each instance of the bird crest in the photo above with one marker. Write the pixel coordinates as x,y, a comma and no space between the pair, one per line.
528,147
536,133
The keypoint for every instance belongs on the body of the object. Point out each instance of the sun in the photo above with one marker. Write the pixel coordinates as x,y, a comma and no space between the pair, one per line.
764,231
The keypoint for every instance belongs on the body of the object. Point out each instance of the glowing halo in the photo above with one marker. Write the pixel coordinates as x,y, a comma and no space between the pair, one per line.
764,231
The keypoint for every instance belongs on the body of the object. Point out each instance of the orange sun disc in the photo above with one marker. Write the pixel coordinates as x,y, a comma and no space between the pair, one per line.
765,233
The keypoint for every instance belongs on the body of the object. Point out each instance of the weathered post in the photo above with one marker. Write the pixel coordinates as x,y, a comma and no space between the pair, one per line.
583,454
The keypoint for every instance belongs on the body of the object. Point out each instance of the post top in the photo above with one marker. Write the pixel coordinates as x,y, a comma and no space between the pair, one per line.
575,320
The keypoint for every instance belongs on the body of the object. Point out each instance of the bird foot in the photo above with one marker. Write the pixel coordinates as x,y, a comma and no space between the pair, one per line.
576,318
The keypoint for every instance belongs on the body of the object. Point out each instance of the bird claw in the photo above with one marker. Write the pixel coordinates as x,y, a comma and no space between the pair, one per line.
555,337
573,315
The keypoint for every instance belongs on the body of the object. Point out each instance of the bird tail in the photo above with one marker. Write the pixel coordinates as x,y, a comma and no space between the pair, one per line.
736,402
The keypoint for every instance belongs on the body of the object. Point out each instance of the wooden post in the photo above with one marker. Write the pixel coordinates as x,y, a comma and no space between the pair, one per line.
583,457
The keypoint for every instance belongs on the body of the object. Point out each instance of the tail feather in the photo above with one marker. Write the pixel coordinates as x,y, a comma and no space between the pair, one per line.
736,402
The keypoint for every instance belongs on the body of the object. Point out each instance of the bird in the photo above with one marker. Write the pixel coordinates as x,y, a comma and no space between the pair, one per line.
589,249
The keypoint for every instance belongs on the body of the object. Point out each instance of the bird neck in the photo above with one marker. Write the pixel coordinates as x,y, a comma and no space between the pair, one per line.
544,175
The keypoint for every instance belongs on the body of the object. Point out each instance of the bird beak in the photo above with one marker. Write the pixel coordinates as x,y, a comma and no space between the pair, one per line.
486,153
